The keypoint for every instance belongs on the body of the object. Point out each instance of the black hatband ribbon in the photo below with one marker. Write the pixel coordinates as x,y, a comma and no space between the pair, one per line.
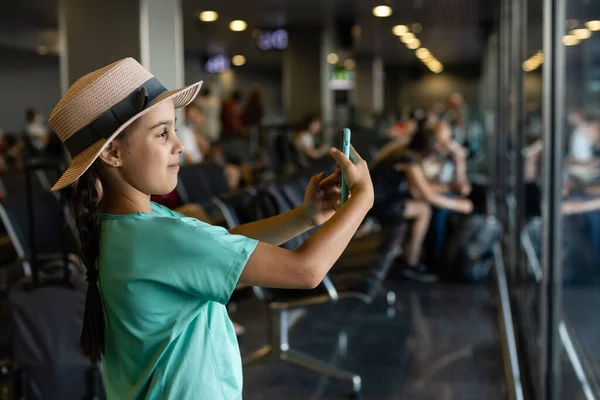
106,124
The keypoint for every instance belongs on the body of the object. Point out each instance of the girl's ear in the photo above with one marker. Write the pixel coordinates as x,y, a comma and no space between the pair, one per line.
111,155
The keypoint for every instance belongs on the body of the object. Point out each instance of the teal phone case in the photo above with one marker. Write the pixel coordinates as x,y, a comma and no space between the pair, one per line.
345,148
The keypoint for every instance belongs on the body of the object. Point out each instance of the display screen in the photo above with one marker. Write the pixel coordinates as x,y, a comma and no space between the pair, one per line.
272,40
216,63
341,79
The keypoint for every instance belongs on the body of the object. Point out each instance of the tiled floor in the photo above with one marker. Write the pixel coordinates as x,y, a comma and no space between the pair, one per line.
440,342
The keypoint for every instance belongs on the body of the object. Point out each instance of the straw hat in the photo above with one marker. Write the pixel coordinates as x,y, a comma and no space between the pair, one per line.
103,103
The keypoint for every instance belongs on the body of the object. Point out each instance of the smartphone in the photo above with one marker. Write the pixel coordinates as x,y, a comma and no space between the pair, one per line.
344,148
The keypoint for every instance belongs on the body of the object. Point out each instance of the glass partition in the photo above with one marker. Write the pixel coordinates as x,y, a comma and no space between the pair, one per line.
580,208
550,198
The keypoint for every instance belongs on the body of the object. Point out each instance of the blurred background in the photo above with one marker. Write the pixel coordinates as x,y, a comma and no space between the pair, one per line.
479,281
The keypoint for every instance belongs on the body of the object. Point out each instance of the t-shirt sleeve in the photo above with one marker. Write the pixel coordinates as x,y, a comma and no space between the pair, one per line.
202,259
304,142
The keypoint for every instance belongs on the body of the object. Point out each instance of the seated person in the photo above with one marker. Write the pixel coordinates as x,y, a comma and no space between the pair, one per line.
446,170
195,121
37,134
402,192
193,144
304,141
11,149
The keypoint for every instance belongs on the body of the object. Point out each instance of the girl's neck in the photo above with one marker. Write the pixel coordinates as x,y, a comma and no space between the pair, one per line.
125,203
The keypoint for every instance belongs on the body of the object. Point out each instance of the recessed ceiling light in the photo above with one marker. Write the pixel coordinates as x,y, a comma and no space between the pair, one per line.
238,60
581,33
416,27
570,40
408,37
349,64
208,16
422,53
414,44
238,25
400,30
382,11
332,58
593,25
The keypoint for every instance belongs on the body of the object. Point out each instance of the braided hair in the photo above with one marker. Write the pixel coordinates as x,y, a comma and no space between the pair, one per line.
86,212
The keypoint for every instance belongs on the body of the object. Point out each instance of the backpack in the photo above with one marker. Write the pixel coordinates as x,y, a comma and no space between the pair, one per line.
469,249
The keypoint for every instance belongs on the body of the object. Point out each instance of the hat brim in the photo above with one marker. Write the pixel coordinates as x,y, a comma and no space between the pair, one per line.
181,98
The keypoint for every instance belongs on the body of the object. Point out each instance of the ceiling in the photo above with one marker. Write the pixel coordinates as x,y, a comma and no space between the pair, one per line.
453,30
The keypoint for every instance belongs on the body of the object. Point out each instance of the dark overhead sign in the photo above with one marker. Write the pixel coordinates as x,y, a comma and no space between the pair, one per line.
272,40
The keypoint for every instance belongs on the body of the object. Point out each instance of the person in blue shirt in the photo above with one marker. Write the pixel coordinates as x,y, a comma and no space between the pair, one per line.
159,281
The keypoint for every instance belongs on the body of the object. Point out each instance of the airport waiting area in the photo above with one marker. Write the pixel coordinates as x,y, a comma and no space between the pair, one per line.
336,199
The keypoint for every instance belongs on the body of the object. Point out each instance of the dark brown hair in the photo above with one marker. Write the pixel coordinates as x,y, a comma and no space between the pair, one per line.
85,206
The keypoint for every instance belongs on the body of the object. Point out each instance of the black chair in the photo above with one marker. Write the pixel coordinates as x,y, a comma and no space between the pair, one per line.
235,206
39,227
46,359
200,182
47,311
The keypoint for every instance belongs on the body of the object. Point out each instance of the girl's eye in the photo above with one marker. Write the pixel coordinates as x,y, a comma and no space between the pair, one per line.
163,134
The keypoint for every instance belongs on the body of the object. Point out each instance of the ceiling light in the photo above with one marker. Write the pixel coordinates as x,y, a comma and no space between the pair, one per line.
238,25
332,58
581,33
417,28
570,40
408,37
414,44
208,16
439,69
593,25
400,30
349,64
42,50
382,11
422,53
238,60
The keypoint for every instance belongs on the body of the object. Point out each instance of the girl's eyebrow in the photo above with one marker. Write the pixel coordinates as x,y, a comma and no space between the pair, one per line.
159,123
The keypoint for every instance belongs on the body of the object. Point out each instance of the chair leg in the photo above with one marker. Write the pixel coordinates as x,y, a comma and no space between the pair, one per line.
312,364
258,356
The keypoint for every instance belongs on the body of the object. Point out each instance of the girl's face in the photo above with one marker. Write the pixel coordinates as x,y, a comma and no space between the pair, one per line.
315,126
147,159
443,138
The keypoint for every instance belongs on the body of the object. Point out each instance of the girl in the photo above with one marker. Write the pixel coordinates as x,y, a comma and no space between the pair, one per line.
158,281
403,193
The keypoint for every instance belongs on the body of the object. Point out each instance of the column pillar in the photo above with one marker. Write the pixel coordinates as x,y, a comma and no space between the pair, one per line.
369,88
94,34
306,75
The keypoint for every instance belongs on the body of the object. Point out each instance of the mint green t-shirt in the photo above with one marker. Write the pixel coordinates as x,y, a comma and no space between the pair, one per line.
165,280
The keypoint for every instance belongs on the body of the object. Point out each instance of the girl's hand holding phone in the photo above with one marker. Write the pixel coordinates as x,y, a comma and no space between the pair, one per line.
322,197
356,174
